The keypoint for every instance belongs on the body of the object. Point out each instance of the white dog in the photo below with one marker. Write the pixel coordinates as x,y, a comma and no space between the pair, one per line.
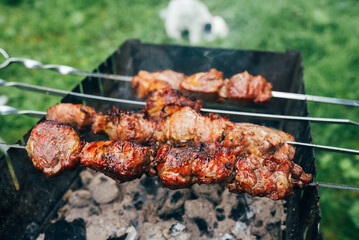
192,16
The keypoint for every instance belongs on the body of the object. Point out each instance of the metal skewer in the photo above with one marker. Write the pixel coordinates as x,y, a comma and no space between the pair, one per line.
6,110
333,185
62,93
5,147
30,63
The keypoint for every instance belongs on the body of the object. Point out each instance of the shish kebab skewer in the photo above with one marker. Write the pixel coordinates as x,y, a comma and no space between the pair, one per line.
54,147
6,110
5,148
177,123
83,96
29,63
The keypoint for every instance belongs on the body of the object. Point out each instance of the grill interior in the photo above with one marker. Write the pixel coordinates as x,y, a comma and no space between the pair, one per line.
28,212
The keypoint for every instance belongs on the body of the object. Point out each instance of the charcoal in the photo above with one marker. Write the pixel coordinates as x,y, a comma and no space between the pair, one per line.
122,237
220,214
66,230
31,231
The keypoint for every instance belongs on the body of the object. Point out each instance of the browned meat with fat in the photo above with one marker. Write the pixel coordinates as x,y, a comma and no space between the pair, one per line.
247,88
204,84
258,140
144,82
163,102
125,125
269,177
120,160
208,163
242,87
188,125
53,147
78,115
190,163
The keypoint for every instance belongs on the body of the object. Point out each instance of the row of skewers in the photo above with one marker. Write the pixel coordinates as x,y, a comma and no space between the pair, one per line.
171,139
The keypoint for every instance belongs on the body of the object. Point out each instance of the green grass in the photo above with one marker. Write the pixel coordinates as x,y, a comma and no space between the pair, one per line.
84,33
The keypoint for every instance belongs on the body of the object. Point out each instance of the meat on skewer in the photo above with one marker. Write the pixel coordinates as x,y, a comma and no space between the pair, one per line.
167,118
145,82
163,102
242,87
187,124
160,104
53,147
177,166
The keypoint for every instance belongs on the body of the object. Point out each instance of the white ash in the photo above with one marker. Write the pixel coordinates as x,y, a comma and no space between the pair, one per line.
176,229
142,209
79,198
103,189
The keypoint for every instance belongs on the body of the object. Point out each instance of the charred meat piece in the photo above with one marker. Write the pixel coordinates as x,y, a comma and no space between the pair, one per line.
190,163
258,140
247,88
144,82
267,177
204,84
120,160
53,147
125,125
78,115
163,102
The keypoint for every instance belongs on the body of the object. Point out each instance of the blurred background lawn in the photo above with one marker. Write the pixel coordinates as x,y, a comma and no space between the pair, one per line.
83,33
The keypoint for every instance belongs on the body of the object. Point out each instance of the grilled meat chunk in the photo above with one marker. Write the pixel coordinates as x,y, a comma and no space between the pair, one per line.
258,140
125,125
121,160
78,115
188,125
204,84
189,163
163,102
53,147
144,82
267,177
247,88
